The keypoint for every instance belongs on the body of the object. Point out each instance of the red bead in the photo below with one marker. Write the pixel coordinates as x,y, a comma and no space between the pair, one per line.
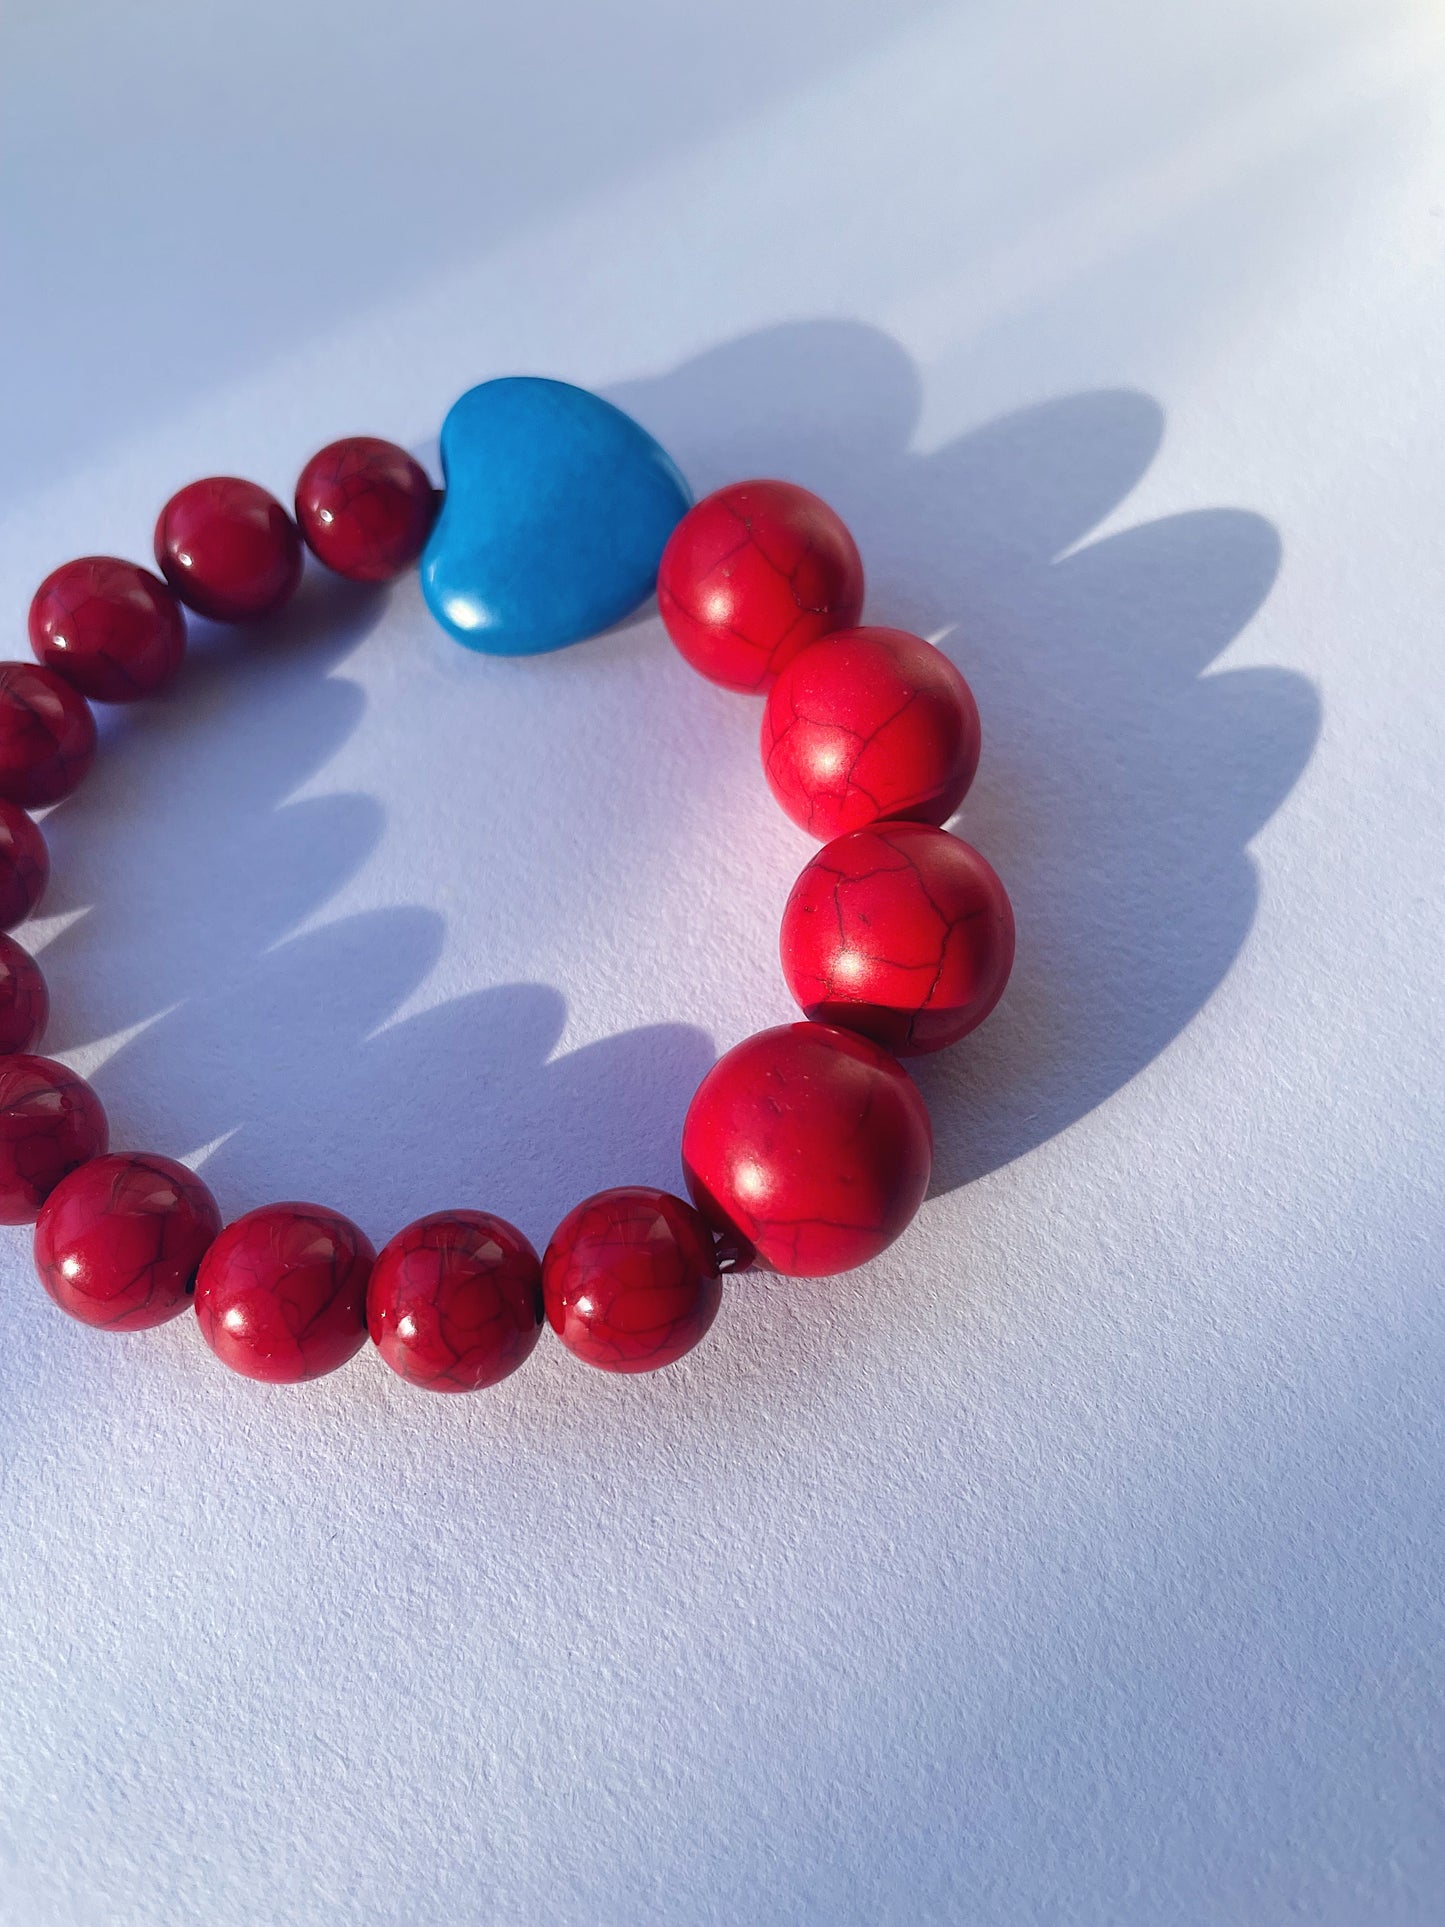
809,1145
228,549
24,865
24,1000
365,508
455,1301
902,932
751,575
117,1243
866,725
50,1121
281,1294
630,1279
112,629
47,735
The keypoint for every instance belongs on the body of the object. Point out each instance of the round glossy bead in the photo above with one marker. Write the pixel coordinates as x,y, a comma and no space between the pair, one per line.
365,508
47,735
281,1294
630,1279
754,573
111,628
50,1121
228,549
900,931
24,865
455,1301
869,724
810,1146
24,1000
117,1243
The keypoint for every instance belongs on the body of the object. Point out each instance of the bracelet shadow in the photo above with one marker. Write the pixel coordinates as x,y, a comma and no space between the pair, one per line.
1122,782
1122,777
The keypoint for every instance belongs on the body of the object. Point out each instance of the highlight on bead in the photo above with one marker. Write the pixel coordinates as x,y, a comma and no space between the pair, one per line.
811,1146
455,1301
900,931
630,1279
118,1242
867,725
365,508
111,629
806,1149
228,549
752,574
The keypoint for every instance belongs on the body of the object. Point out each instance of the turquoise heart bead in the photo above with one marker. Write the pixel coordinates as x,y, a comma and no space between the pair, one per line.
556,512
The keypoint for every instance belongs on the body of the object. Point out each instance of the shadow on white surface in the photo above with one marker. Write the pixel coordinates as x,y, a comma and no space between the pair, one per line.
200,907
1119,790
1120,782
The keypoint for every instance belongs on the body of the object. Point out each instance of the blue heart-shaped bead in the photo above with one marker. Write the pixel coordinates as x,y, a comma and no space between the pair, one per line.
556,512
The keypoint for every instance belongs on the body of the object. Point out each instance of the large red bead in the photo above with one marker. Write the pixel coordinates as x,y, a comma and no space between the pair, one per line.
455,1301
117,1243
281,1294
752,574
228,549
47,735
111,628
866,725
900,931
810,1146
630,1279
24,865
365,508
24,1000
50,1121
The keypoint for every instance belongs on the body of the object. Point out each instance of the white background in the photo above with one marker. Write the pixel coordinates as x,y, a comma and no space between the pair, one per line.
1080,1560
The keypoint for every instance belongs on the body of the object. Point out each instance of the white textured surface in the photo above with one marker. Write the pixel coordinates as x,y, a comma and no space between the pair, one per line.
1078,1562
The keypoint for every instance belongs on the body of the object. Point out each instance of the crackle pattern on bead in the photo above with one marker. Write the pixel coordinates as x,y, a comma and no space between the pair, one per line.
807,1148
24,999
630,1279
365,508
24,865
900,931
281,1294
109,627
867,725
751,575
455,1301
810,1145
47,735
228,549
118,1242
50,1121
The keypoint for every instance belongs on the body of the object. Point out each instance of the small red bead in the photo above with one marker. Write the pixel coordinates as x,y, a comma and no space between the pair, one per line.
866,725
24,865
810,1145
900,931
117,1243
630,1279
365,508
228,549
455,1301
24,1000
50,1121
752,574
112,629
281,1294
47,735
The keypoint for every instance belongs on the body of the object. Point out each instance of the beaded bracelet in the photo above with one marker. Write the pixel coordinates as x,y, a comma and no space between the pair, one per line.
806,1148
